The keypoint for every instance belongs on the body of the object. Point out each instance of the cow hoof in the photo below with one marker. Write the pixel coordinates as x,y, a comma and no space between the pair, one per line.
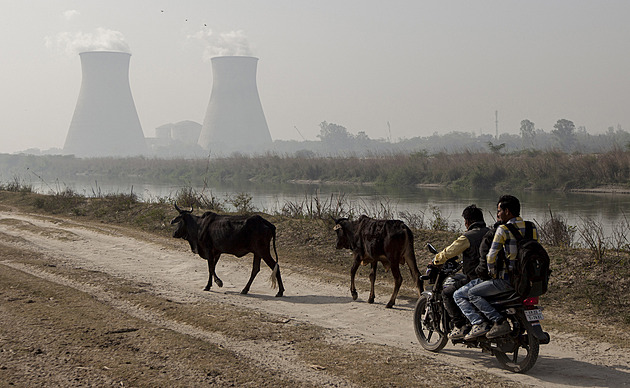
219,282
207,289
354,295
389,305
371,300
279,294
244,292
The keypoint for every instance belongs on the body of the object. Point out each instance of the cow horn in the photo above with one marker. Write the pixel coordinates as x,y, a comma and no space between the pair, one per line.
182,211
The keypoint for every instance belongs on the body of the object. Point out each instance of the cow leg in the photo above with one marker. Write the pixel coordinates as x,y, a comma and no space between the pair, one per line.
218,281
273,264
372,280
397,282
211,266
353,272
255,270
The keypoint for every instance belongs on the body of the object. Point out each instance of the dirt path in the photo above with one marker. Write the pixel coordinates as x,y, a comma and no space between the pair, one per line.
178,274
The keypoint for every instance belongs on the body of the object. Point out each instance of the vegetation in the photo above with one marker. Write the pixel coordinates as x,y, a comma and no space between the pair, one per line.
589,279
534,170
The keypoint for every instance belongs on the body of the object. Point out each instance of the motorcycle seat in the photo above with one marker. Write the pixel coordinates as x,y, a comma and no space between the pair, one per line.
505,298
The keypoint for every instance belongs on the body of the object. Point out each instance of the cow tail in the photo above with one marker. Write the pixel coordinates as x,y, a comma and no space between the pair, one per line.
276,268
410,257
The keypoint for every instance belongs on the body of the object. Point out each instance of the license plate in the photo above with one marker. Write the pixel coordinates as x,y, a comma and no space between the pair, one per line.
533,315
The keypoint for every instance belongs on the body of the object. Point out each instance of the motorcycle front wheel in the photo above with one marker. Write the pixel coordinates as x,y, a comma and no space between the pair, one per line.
525,352
426,328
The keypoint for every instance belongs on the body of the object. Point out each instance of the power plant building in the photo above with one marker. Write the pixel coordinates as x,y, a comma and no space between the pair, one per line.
105,120
234,120
185,131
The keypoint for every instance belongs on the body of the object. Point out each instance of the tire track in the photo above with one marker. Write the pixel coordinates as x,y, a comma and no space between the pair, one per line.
265,354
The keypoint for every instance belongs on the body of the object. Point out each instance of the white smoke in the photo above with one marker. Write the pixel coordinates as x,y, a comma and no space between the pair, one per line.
102,39
233,43
71,14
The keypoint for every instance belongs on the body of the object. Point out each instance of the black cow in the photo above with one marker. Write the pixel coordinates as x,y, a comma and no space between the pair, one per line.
371,241
212,234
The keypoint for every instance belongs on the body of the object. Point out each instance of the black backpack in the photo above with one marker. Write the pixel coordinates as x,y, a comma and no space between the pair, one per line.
530,275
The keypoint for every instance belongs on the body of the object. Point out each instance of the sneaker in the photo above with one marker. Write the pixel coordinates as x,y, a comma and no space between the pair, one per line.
499,329
477,331
459,332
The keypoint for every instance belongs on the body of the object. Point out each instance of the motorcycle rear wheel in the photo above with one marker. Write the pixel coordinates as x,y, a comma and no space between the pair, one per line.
525,354
425,328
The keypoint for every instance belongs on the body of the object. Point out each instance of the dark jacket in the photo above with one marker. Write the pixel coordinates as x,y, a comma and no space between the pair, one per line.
471,256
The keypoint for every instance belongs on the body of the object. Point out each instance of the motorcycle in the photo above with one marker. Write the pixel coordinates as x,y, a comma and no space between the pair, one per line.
516,351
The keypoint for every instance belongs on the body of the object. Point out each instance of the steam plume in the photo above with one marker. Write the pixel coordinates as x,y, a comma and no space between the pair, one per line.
71,14
233,43
101,40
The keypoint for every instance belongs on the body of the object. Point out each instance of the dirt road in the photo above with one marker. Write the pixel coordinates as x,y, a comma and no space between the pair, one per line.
170,270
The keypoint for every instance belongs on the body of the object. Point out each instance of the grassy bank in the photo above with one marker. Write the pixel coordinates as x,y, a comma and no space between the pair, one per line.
586,286
535,170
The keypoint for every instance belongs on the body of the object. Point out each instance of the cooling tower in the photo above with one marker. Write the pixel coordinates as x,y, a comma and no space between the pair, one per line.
234,119
105,121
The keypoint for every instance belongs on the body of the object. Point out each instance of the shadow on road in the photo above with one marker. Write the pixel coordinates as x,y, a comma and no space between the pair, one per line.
555,371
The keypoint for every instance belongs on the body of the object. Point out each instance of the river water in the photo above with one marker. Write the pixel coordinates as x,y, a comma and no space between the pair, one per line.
607,209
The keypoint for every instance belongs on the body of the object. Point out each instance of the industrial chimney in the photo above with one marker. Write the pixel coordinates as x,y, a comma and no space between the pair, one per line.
234,119
105,121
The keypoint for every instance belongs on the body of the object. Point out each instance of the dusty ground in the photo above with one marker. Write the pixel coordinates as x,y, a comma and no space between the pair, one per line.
90,304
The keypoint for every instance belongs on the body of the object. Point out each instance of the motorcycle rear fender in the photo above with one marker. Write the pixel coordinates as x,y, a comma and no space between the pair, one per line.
536,329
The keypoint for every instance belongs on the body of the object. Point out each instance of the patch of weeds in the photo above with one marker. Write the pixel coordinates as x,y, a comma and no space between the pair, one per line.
242,202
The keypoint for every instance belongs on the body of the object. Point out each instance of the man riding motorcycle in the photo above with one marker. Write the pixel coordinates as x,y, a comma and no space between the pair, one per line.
468,246
508,211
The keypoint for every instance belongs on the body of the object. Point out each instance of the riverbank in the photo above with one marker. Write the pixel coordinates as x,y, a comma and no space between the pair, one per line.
603,190
529,170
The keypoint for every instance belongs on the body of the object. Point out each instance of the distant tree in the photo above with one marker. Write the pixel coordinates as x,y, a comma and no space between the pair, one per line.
362,136
496,149
528,132
333,133
564,132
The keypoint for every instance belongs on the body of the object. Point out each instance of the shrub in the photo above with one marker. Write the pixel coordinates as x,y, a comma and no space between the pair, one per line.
242,202
555,231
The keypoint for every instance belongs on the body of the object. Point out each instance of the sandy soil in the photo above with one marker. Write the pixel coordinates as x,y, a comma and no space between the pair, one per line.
169,267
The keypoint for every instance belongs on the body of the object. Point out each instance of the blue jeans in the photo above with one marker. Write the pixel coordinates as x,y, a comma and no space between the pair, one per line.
461,298
478,294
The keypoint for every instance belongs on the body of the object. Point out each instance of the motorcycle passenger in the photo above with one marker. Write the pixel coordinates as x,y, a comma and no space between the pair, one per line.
461,294
508,211
468,246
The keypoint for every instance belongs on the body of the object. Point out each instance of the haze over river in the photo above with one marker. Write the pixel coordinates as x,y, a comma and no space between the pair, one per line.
608,209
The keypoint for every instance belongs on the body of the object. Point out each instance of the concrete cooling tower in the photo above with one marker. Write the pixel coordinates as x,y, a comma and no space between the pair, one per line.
105,121
234,119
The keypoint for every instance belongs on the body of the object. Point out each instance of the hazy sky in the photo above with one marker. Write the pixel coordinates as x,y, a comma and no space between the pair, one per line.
422,66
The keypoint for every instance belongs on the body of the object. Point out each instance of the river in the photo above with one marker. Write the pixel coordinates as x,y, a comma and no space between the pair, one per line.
606,209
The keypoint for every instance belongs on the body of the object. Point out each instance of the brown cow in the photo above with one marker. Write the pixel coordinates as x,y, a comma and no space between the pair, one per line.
371,241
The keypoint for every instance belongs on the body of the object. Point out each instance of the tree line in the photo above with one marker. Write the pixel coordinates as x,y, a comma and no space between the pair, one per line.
335,139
